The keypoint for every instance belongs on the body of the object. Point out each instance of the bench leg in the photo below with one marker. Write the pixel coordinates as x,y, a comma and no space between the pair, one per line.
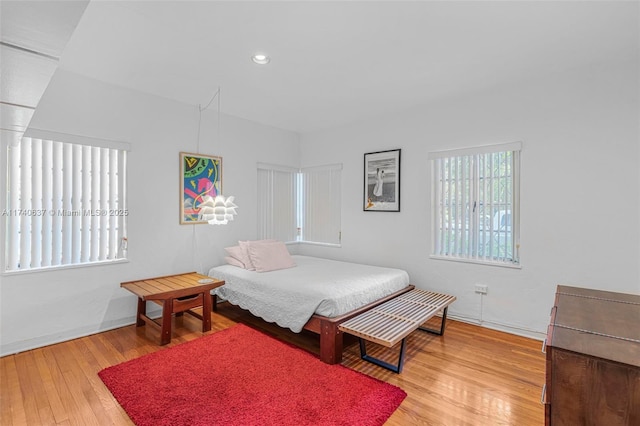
437,332
381,363
165,330
206,312
142,312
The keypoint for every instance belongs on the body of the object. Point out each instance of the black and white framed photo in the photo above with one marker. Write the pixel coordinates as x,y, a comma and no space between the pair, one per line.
382,181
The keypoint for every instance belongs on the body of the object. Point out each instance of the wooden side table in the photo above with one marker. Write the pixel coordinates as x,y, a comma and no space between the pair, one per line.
176,294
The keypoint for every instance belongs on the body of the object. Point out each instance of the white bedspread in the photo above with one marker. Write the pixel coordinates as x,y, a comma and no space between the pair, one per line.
289,297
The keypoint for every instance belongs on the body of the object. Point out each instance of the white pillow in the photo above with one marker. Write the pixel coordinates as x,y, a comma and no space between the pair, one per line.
270,256
238,254
246,257
233,261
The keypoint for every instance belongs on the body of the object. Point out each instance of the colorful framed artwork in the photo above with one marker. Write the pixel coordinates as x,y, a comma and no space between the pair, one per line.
200,176
382,181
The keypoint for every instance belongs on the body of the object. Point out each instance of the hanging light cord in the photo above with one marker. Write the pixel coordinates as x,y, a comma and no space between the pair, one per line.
194,242
200,109
194,250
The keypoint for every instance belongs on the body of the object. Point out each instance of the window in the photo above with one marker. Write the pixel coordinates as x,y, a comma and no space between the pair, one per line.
476,204
66,203
299,204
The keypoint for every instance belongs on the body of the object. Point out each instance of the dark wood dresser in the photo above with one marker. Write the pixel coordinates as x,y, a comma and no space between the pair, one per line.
593,359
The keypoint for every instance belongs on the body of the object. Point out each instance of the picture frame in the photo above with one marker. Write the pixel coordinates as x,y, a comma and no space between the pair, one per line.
200,176
382,181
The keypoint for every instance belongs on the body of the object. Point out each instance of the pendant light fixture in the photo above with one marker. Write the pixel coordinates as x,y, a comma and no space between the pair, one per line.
218,210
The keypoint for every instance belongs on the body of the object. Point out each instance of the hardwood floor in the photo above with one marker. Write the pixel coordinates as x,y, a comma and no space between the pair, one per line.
469,376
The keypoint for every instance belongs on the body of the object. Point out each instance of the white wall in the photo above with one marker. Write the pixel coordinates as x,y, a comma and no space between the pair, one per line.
580,197
580,191
44,307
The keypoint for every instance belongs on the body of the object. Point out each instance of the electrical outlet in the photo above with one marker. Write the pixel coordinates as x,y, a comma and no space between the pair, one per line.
481,288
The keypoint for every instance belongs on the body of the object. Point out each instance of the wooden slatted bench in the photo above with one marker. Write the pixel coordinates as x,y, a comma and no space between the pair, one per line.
391,322
176,294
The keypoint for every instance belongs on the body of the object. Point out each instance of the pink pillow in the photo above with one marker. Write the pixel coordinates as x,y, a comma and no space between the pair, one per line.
270,256
238,254
233,261
246,257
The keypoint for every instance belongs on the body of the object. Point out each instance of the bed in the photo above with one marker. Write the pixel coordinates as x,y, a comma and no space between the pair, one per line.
316,295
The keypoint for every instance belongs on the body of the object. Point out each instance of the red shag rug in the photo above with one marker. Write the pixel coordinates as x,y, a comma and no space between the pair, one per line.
240,376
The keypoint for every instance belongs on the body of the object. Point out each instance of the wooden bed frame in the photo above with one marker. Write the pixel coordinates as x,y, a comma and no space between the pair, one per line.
327,327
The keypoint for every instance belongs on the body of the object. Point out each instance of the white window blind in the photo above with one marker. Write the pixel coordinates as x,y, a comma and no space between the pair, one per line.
476,204
321,204
299,205
277,202
66,204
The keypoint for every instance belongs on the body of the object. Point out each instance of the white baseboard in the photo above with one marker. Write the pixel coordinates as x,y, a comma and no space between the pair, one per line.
76,333
507,328
25,345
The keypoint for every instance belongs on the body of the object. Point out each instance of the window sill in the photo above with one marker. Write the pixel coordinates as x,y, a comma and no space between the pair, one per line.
477,262
61,267
312,243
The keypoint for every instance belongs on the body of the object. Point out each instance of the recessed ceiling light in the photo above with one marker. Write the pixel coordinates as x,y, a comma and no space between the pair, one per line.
261,59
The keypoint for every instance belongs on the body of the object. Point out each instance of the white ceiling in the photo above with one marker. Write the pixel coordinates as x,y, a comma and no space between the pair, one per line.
33,35
338,62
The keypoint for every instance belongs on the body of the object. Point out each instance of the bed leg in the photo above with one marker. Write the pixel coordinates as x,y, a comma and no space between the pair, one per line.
214,303
330,343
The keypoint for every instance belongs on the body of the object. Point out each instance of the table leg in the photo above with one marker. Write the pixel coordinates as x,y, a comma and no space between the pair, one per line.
142,310
165,331
206,312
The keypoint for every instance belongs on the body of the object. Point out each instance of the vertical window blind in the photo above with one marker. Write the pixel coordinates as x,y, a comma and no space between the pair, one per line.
299,205
321,204
66,204
476,203
277,201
